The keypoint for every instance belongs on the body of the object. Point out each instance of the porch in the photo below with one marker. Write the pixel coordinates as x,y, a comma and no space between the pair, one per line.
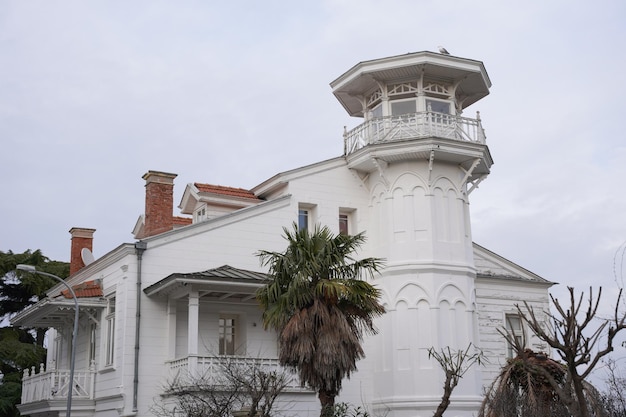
414,126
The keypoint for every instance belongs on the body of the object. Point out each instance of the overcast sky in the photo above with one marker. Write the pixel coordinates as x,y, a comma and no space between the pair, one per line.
94,94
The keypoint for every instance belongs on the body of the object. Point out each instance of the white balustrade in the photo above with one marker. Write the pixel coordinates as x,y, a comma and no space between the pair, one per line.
208,367
54,384
414,126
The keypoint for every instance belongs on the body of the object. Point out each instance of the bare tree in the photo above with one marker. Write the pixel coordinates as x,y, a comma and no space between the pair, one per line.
238,386
578,343
454,364
614,399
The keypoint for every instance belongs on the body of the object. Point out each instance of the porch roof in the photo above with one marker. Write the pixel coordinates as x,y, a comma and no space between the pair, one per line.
56,311
225,282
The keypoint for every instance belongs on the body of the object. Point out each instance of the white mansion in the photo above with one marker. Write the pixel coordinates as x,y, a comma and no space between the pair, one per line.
183,292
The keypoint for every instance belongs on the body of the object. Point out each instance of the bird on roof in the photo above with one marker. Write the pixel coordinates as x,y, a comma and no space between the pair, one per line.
443,50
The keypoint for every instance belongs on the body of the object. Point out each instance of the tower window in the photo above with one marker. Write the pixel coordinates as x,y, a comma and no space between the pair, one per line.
401,107
377,112
437,106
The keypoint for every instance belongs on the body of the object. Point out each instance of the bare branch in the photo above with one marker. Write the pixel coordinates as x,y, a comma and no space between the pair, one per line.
454,364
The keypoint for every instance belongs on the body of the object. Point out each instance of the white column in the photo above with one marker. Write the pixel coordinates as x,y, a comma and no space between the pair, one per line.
171,328
192,330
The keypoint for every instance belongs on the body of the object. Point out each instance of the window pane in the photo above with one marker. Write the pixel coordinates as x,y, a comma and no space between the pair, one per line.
110,346
513,325
402,107
343,224
227,330
92,342
303,219
438,106
377,111
110,332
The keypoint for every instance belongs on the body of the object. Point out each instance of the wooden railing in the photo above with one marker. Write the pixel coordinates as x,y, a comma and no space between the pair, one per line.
54,384
414,126
206,366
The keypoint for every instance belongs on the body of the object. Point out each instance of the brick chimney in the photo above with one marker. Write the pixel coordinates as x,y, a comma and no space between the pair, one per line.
159,215
81,238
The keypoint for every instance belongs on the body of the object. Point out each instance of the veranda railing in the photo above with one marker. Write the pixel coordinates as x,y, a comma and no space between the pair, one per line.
414,126
54,384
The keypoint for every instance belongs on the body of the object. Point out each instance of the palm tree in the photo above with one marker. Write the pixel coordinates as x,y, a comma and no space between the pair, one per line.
319,302
529,385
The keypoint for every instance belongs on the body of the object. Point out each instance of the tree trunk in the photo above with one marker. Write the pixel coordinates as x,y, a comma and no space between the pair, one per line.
581,401
327,401
445,399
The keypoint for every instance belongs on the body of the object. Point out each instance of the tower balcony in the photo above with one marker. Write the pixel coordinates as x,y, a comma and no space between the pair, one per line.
414,126
426,135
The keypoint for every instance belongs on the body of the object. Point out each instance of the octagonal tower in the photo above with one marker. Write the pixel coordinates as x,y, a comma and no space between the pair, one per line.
419,159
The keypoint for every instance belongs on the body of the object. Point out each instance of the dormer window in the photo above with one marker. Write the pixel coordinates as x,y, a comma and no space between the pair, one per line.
201,214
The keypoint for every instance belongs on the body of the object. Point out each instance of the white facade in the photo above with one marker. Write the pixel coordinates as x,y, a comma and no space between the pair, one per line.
405,179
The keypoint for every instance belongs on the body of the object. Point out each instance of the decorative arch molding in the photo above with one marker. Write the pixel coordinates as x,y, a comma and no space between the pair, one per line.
451,293
379,192
409,180
412,294
445,184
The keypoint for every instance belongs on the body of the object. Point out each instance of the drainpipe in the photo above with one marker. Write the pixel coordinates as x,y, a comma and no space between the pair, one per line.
140,247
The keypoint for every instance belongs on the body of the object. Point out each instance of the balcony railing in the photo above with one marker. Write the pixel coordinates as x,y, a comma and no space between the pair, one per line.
205,367
54,384
414,126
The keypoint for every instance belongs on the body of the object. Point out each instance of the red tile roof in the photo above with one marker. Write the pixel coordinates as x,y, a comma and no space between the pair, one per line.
86,289
229,191
181,221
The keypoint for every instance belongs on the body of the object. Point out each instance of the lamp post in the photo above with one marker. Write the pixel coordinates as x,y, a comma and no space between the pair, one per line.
70,385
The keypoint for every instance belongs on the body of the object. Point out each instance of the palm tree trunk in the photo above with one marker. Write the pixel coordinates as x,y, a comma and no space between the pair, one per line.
327,401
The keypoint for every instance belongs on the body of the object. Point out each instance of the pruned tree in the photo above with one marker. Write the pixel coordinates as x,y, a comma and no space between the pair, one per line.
579,345
454,364
535,383
236,386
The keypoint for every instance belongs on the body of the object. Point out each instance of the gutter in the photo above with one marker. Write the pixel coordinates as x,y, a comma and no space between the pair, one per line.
140,247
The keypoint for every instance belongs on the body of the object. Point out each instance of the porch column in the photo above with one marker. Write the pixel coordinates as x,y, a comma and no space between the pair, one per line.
171,328
192,331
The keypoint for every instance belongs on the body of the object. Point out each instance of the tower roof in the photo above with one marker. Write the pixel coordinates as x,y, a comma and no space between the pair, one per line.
360,80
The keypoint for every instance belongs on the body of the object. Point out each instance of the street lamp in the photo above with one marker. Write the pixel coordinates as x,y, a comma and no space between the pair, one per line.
32,269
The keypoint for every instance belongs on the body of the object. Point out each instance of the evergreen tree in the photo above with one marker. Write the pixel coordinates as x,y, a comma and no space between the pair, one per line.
21,348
